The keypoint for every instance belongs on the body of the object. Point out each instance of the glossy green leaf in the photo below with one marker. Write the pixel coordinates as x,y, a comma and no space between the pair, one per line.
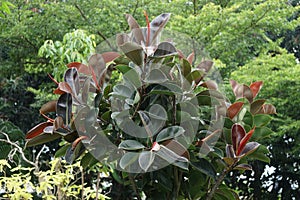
169,133
261,120
128,159
205,167
131,145
156,76
146,158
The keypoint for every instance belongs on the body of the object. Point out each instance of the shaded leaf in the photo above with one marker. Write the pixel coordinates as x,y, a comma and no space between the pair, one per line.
261,120
177,148
41,139
98,68
205,167
64,107
230,151
134,52
243,167
49,107
256,106
165,49
109,56
267,109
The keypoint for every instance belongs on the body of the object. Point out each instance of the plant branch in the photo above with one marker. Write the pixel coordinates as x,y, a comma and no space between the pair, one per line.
219,181
97,185
98,32
19,149
134,187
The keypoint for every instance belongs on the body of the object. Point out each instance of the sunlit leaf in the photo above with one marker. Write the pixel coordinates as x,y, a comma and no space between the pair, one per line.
234,109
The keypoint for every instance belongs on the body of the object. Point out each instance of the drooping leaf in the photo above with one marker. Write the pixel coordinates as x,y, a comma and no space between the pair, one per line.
62,151
243,167
267,109
169,133
134,52
237,134
234,109
131,145
250,148
260,154
37,130
73,153
41,139
255,87
146,158
64,107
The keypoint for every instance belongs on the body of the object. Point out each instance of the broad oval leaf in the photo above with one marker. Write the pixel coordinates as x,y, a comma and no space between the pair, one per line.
249,148
256,105
261,119
37,130
134,52
169,133
165,49
131,145
234,109
128,159
146,158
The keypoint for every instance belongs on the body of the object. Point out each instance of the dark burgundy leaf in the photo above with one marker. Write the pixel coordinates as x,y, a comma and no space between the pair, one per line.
157,26
250,148
71,77
135,28
64,107
255,88
37,130
234,109
256,106
165,49
244,141
237,134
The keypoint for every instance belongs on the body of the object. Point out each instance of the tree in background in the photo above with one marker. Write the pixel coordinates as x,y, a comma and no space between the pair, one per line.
234,33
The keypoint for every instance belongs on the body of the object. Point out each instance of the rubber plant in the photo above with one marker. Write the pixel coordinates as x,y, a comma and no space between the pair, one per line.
154,130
